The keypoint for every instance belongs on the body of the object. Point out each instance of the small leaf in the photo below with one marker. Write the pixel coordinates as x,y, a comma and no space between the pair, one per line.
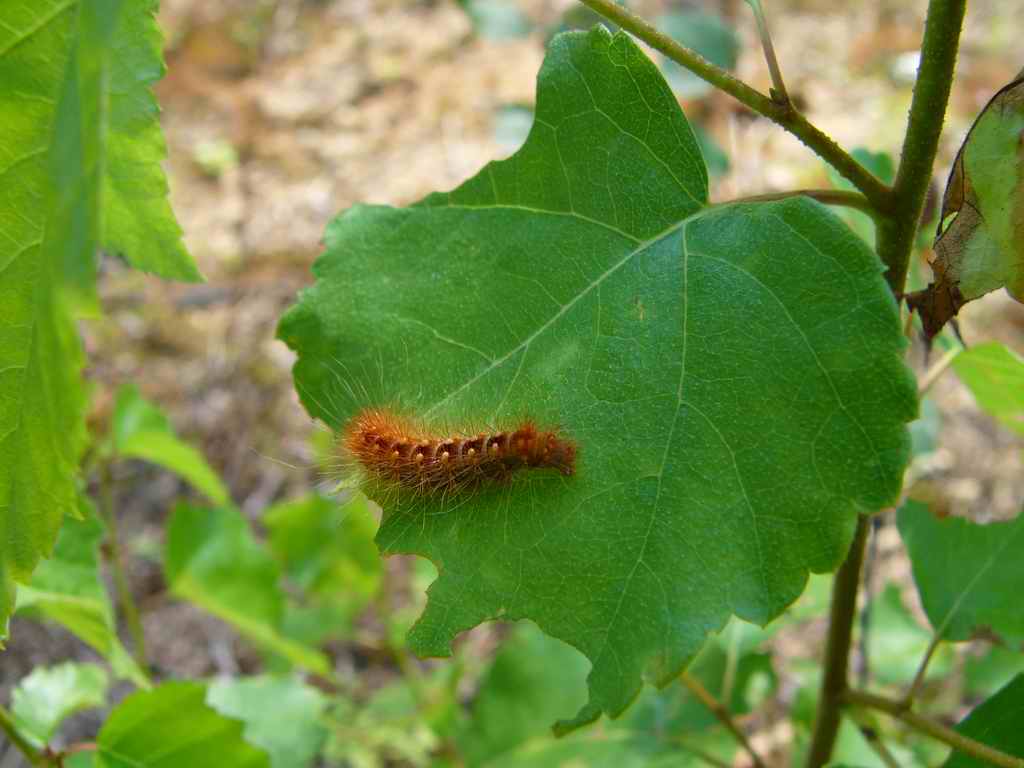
733,375
68,589
172,726
326,552
48,695
969,576
533,681
979,246
213,560
996,723
281,715
142,431
995,376
705,33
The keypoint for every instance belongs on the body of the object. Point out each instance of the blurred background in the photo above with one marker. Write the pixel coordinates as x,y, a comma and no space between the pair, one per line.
278,116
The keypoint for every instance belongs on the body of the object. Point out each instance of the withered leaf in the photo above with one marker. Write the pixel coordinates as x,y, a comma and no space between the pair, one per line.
979,245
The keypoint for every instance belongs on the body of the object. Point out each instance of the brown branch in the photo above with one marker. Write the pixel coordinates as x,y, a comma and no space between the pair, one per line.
783,114
837,649
721,714
936,730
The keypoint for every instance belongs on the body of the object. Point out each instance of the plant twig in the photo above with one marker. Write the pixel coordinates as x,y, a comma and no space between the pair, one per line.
927,110
722,714
837,649
125,600
784,115
915,686
840,197
778,92
936,371
932,728
33,755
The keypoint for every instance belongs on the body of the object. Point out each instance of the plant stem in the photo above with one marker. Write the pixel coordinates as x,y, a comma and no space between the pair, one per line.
936,730
927,110
915,686
837,649
937,370
827,196
116,559
779,93
33,755
783,114
721,713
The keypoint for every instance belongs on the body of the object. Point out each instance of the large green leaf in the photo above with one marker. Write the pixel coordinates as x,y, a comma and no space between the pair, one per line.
79,169
213,560
281,714
979,246
142,431
969,575
172,726
68,588
995,376
50,694
995,722
732,374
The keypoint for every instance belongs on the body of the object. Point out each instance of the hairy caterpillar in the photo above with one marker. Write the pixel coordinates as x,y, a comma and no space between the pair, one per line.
400,450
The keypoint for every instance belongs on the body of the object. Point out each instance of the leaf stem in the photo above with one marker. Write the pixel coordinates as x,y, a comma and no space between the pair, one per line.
827,196
915,686
115,557
936,371
837,649
778,93
722,714
921,142
936,730
33,755
783,114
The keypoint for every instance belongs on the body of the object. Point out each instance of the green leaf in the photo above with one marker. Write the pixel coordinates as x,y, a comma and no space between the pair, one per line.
69,589
42,402
733,376
705,33
980,243
80,168
172,726
326,552
50,694
995,376
969,576
281,715
533,681
142,431
213,560
995,722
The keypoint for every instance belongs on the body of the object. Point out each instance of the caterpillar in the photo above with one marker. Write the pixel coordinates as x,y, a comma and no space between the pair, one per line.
400,450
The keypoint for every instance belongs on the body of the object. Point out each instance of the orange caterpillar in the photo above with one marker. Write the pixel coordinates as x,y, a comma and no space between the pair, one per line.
399,450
